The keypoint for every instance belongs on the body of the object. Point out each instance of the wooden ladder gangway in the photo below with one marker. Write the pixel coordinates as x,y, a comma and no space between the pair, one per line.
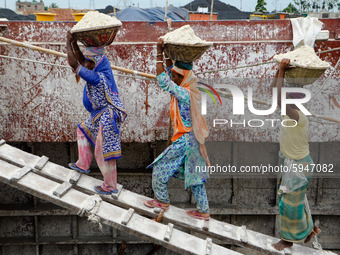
23,171
17,166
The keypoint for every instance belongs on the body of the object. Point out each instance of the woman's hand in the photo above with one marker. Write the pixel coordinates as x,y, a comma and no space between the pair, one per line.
70,38
284,65
160,46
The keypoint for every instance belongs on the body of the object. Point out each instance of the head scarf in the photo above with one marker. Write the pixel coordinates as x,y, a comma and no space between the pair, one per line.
199,125
184,65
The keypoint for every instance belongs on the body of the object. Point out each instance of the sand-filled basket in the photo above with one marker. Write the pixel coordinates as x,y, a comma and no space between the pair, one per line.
97,36
302,75
186,52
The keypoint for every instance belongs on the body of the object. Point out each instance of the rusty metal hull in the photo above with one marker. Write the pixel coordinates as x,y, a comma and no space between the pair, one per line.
41,103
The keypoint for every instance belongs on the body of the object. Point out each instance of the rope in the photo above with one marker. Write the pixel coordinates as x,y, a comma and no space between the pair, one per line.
34,61
258,64
236,67
91,207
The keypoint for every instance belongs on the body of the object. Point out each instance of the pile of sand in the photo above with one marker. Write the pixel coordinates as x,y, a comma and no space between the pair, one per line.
183,35
95,19
304,56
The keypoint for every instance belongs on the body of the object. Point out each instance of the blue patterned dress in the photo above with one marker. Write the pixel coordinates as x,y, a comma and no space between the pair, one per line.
102,100
182,158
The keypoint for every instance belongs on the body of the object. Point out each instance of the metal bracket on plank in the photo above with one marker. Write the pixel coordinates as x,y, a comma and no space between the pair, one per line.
21,173
168,232
62,189
41,163
2,141
128,216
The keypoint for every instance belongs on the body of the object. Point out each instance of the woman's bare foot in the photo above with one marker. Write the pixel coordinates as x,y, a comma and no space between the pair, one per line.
281,245
315,232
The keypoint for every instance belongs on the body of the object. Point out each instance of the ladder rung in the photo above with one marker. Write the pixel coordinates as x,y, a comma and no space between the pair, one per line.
21,173
243,234
41,163
75,177
206,225
62,189
208,246
168,232
128,216
116,195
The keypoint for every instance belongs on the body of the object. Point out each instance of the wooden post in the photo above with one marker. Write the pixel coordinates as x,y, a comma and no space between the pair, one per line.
166,10
211,9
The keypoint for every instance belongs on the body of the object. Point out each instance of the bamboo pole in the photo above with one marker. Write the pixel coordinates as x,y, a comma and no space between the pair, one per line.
64,55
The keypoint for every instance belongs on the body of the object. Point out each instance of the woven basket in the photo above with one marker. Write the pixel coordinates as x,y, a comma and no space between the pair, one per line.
97,37
184,52
300,76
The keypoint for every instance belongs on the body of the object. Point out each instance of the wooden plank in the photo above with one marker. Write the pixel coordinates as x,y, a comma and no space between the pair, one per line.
128,216
175,215
41,163
168,232
21,173
208,246
108,213
62,189
2,141
17,157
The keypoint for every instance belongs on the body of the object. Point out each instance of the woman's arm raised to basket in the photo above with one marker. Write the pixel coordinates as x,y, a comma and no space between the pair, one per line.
74,55
291,112
160,48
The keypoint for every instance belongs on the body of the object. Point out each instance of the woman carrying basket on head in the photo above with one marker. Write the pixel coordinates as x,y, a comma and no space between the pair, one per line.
102,100
187,152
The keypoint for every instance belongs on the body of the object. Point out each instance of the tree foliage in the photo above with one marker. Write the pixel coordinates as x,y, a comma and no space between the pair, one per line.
291,9
261,6
313,5
54,5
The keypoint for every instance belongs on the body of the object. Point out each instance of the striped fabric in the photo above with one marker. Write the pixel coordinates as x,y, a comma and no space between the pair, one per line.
295,220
